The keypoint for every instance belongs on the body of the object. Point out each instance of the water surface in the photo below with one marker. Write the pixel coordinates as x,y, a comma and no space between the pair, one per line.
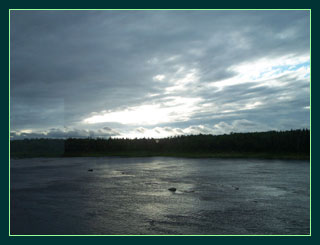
131,196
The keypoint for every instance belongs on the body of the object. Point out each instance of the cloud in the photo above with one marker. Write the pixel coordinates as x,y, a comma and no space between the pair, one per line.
170,70
172,110
57,133
141,130
219,128
239,126
159,77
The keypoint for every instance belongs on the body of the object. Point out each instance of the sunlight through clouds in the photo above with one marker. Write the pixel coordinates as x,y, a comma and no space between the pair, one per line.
267,70
182,80
176,109
158,73
159,77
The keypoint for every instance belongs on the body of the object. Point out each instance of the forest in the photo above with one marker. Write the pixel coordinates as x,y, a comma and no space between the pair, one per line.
293,144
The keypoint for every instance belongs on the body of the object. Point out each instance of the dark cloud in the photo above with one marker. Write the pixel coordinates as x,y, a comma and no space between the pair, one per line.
68,65
141,130
58,133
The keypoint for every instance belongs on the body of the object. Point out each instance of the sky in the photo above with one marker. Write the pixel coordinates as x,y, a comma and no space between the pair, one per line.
135,74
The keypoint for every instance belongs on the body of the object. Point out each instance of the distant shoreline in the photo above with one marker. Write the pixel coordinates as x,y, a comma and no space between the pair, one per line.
293,144
288,156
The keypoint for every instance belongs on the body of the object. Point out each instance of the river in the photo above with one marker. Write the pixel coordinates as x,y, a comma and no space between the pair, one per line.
130,196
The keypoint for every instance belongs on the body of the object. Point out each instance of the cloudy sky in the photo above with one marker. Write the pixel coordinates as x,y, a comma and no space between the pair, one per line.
158,73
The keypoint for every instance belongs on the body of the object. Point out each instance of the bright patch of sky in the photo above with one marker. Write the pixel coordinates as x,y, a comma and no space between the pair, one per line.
158,73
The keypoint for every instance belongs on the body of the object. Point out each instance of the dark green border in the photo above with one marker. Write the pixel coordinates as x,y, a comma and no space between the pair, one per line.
154,239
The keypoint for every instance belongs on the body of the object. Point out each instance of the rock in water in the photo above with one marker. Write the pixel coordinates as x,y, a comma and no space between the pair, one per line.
172,189
90,170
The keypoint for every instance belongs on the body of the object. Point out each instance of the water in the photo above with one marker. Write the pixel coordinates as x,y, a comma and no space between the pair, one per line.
131,196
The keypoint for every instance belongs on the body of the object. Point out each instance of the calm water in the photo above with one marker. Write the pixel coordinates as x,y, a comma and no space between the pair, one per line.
130,196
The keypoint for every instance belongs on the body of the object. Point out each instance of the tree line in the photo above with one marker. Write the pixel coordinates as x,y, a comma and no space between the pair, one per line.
271,142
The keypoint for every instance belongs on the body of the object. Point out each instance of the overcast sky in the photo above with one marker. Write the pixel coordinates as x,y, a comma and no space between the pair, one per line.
158,73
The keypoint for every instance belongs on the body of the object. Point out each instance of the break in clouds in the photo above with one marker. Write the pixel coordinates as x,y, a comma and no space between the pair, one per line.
158,73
